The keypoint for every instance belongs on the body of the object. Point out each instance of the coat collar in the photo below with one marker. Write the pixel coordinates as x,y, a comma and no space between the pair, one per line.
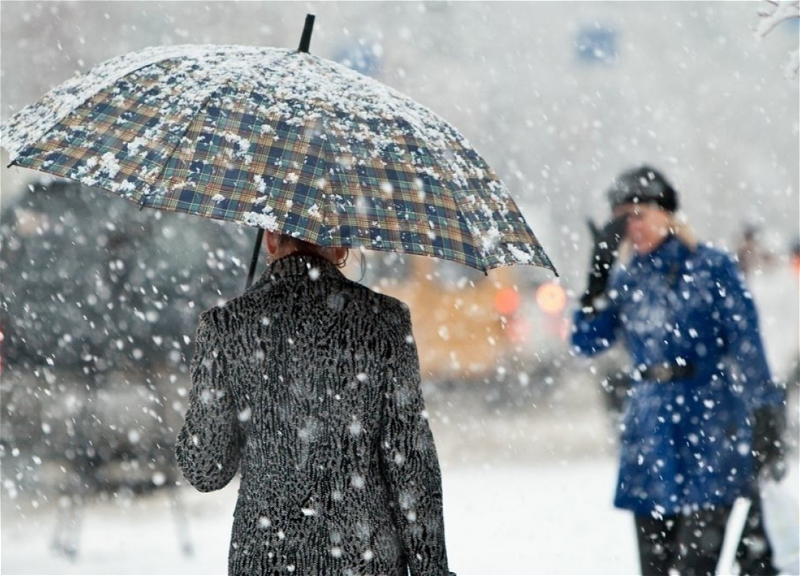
670,250
298,264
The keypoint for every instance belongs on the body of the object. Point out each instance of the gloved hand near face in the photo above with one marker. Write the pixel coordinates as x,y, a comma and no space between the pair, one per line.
606,243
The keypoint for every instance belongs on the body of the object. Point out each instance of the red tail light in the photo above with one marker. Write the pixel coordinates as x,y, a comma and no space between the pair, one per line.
506,301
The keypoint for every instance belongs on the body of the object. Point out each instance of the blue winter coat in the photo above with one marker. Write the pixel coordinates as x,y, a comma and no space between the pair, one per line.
686,443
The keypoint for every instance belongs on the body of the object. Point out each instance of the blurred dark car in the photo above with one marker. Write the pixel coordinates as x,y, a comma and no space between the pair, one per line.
98,308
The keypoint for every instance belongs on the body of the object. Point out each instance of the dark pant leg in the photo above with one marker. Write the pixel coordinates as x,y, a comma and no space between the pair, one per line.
656,539
754,554
699,541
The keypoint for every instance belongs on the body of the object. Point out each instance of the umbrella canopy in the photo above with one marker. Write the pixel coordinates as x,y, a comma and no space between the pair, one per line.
281,140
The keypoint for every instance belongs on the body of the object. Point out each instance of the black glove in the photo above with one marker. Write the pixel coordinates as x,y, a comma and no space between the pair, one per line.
606,241
769,424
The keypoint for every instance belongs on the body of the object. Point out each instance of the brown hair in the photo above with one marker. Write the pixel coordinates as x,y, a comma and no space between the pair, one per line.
303,247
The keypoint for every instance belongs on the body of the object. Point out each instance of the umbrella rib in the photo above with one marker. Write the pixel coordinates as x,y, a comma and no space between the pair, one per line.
142,197
93,93
327,146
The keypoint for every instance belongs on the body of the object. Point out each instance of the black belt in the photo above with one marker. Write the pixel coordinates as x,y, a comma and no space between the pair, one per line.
663,373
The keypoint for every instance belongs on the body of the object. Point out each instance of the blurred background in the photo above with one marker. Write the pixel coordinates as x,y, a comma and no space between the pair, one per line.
100,300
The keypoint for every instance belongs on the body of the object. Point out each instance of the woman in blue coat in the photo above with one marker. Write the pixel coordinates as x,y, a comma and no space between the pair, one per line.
703,414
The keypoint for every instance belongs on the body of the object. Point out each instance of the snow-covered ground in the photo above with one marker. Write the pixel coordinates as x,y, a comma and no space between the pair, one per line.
536,519
551,517
526,491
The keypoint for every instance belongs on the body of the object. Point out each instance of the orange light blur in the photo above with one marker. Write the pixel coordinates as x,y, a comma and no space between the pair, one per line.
551,298
506,301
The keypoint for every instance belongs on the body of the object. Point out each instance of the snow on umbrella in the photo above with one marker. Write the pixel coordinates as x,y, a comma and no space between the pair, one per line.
280,140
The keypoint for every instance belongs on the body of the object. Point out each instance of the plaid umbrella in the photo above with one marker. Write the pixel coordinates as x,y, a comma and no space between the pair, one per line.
281,140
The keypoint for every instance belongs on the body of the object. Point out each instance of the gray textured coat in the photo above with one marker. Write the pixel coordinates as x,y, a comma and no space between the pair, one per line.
309,383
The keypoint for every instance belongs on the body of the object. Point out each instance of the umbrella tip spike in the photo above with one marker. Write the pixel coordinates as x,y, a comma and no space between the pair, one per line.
305,39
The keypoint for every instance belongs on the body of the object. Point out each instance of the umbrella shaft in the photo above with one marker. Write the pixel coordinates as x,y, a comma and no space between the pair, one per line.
254,260
305,39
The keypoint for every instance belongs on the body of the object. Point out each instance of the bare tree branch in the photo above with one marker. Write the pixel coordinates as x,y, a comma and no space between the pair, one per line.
772,13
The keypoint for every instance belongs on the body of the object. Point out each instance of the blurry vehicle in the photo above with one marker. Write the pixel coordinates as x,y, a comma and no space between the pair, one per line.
501,335
98,306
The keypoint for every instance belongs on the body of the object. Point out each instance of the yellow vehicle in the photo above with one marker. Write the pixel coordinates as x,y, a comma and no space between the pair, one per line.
471,327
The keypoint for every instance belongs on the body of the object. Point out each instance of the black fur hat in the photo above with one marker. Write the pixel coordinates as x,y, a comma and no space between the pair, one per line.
643,185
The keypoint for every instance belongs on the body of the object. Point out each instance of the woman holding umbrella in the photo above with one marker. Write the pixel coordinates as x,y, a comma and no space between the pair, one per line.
703,416
309,383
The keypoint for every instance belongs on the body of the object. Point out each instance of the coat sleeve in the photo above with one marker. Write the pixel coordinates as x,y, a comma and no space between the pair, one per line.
739,320
408,459
594,331
210,442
